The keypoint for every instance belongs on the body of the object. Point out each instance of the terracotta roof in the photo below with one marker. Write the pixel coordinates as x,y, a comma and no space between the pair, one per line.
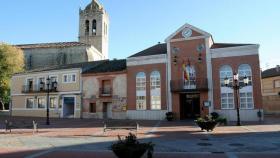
108,66
226,45
271,73
154,50
50,45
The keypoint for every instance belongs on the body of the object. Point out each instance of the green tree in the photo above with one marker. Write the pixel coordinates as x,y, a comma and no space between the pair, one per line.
11,61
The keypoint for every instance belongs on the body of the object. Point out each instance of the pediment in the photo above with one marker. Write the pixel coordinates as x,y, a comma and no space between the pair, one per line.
187,31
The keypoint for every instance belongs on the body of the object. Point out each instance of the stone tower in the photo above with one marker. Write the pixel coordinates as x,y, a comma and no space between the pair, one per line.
94,27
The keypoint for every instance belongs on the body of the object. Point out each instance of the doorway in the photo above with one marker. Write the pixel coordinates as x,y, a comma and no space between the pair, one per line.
189,106
107,110
68,107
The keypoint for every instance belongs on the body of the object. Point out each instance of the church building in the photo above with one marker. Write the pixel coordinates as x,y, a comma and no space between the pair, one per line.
92,44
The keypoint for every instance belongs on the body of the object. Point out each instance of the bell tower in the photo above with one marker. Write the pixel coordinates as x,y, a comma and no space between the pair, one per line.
94,27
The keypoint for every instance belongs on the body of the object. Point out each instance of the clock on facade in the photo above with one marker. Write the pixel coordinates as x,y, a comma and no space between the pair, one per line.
187,32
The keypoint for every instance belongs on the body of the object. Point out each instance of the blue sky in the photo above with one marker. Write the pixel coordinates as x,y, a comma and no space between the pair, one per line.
136,25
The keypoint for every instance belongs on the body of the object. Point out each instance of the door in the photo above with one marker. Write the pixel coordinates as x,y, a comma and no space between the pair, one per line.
189,106
68,107
107,110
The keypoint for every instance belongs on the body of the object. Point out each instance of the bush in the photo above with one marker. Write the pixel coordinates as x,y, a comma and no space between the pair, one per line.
130,147
222,120
215,115
169,116
206,123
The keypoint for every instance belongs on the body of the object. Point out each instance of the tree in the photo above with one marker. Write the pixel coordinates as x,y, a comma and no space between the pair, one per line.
11,61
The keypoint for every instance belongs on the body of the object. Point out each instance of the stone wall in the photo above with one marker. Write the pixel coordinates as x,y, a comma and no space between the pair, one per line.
117,100
43,57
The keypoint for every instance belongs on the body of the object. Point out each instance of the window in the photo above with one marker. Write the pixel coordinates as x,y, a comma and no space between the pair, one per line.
94,27
277,83
245,70
29,84
41,103
30,103
225,71
141,91
227,97
106,87
141,102
246,100
53,102
87,27
73,78
69,78
41,82
141,81
29,62
246,93
92,108
227,101
155,90
53,79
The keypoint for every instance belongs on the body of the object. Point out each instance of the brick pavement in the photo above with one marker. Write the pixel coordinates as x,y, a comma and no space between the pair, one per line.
172,139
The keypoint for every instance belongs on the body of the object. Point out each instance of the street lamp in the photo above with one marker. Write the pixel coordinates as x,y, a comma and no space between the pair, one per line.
236,86
48,96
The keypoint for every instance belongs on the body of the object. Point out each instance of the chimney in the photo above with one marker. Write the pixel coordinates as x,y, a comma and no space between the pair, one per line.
277,68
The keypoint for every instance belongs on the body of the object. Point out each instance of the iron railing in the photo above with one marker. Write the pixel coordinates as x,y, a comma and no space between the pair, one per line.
199,84
37,88
105,91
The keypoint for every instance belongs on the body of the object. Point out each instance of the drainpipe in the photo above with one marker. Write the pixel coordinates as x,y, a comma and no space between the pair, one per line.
81,93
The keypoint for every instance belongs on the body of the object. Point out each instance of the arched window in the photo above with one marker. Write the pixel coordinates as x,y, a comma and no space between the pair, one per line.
155,90
29,62
94,27
246,93
141,91
87,27
227,97
226,72
245,70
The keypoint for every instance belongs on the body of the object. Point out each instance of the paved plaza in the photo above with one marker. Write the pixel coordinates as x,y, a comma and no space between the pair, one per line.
85,138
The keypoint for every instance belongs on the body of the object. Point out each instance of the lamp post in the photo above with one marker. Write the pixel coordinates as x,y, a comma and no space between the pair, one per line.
48,96
236,86
51,86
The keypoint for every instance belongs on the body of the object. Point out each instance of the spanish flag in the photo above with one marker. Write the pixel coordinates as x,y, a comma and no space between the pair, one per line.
186,74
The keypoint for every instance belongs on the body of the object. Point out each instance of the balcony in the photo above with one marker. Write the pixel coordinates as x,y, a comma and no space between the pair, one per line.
105,91
38,89
200,84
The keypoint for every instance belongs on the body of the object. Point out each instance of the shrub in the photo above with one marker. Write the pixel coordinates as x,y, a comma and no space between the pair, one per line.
206,123
222,120
215,115
130,147
169,116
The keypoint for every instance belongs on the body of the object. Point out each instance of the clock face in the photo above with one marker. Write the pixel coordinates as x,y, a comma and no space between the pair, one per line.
187,32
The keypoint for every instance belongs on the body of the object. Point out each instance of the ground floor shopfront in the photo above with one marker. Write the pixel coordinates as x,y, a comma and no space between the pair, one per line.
35,105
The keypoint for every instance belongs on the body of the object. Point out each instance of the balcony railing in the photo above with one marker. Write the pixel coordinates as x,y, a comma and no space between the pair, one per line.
105,91
199,84
37,89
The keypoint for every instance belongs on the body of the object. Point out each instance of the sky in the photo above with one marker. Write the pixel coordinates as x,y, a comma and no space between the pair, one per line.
138,24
